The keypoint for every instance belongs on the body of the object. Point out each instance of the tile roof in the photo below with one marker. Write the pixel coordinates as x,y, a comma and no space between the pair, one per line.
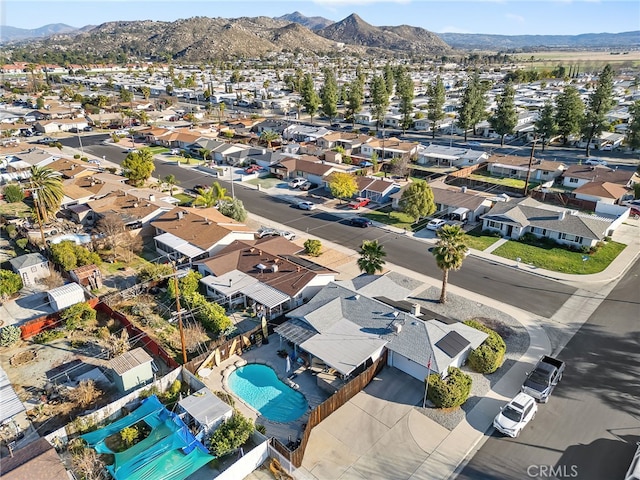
599,173
603,189
128,207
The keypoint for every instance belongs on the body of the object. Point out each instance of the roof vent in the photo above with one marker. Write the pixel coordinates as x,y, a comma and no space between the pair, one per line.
274,267
180,215
135,204
356,296
397,327
561,215
152,198
415,309
252,250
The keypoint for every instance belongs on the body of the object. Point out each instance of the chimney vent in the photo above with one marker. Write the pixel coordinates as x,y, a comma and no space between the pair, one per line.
561,215
415,309
152,198
135,204
397,327
274,267
230,282
180,215
463,189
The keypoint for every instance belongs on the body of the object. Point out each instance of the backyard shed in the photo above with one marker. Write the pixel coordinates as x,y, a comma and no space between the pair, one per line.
65,296
131,369
31,267
204,410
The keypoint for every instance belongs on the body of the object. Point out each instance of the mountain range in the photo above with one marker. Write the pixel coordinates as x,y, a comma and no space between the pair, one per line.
202,38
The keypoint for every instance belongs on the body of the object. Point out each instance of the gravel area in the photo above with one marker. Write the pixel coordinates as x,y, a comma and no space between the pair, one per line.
513,333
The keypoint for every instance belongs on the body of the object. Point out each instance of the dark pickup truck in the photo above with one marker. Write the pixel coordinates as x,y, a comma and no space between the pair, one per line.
544,378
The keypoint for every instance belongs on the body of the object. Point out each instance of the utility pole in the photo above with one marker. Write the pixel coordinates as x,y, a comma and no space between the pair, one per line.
526,182
175,280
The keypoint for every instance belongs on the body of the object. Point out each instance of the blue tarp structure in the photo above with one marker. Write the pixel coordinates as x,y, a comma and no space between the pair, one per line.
169,452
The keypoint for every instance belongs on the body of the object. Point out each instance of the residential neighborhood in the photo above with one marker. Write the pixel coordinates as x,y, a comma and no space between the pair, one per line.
242,276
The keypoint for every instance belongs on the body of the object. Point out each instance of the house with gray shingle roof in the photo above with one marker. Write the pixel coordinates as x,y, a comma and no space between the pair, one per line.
516,217
346,330
31,267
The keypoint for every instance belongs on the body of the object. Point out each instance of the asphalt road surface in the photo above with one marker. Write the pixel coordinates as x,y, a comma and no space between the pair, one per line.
589,428
535,294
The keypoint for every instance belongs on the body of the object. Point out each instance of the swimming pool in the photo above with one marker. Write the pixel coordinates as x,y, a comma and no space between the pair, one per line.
259,386
78,238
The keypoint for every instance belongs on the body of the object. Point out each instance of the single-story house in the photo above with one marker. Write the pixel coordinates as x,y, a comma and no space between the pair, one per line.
347,330
378,190
31,267
351,142
196,233
577,175
516,217
60,125
264,274
511,166
388,148
304,133
605,192
311,168
446,156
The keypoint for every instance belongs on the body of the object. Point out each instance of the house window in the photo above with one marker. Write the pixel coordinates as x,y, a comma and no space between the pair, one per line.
573,180
34,269
545,173
513,172
492,224
570,238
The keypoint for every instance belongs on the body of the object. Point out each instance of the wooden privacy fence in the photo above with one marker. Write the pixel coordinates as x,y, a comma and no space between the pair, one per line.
141,336
224,347
329,406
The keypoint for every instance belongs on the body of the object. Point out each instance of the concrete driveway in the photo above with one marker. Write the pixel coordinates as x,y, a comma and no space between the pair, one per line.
378,435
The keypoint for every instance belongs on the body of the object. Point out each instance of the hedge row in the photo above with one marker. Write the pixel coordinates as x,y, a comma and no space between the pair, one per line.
488,357
449,392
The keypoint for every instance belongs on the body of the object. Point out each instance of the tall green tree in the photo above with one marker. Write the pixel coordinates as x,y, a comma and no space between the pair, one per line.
569,112
546,126
342,185
171,182
417,200
466,119
633,129
234,209
354,100
599,103
405,90
47,191
310,98
269,136
505,118
379,99
138,166
435,105
479,99
449,253
329,94
389,78
205,153
371,258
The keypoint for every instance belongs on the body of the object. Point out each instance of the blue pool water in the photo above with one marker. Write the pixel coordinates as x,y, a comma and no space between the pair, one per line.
78,238
259,386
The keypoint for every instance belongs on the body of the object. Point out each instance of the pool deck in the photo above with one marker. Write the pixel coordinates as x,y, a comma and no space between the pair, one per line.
267,354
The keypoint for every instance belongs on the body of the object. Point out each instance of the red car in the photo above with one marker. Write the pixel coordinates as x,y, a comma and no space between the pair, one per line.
359,202
252,169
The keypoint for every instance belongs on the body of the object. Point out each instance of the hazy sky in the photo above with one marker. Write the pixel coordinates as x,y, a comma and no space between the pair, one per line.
505,17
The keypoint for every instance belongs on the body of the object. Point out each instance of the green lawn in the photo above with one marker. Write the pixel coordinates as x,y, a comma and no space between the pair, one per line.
505,182
476,240
157,149
265,182
390,217
558,259
185,200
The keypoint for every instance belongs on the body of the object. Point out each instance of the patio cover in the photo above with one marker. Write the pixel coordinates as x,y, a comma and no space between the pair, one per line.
10,404
205,407
179,245
296,331
265,295
344,346
230,283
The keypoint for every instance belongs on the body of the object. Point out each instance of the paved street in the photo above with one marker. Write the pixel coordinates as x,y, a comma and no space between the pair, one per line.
592,420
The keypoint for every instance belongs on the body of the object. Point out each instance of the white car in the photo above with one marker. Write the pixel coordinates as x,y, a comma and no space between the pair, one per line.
306,205
286,234
595,161
436,224
297,182
515,415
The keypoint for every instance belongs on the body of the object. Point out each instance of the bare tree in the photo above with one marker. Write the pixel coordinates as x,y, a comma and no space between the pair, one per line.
85,393
128,246
88,464
112,226
119,344
52,281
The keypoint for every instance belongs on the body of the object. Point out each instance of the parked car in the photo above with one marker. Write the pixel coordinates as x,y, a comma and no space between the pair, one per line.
74,130
631,203
46,140
473,144
297,182
88,128
544,378
515,415
360,222
359,202
308,186
595,161
252,169
306,205
436,224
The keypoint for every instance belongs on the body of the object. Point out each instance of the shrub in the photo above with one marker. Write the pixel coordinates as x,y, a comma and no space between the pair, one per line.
450,392
76,156
84,159
152,390
313,247
9,335
225,397
11,230
48,336
10,283
129,435
488,357
77,316
13,193
154,271
231,434
22,243
262,429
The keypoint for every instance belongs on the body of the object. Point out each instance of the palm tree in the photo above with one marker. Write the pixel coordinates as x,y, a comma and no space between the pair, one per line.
371,257
221,107
48,185
205,152
449,253
211,196
268,136
170,181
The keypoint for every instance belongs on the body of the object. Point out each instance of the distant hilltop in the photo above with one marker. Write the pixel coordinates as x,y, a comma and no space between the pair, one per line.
202,38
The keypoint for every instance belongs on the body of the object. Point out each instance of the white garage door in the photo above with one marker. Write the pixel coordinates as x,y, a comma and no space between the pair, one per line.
404,364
